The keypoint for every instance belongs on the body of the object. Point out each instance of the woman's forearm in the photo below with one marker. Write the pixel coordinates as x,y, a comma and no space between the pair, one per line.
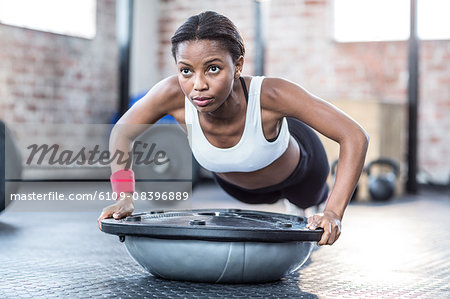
351,162
120,148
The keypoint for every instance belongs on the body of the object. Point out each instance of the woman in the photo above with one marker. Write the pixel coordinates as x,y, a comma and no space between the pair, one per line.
257,141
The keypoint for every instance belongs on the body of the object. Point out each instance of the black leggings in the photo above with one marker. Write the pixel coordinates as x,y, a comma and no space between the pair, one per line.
305,187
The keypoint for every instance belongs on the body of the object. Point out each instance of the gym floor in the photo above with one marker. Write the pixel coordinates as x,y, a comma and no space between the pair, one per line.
399,249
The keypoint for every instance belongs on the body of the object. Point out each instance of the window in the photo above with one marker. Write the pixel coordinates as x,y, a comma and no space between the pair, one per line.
433,21
68,17
388,20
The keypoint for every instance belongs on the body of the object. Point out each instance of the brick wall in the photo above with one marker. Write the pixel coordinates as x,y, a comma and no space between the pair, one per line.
173,13
434,111
301,48
51,78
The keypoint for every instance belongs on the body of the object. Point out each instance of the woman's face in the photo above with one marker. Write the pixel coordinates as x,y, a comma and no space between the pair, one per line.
206,73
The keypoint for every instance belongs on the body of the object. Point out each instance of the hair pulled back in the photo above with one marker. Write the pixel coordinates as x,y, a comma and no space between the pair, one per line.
210,25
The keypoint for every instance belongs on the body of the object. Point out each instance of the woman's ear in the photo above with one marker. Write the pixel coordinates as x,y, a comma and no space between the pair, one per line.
239,64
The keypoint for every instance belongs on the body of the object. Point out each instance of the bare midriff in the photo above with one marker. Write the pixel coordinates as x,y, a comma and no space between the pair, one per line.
275,173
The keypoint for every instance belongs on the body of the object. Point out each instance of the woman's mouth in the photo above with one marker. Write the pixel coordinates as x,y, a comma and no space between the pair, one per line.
202,101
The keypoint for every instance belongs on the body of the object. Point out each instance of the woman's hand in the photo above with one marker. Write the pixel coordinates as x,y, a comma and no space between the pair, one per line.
123,208
331,224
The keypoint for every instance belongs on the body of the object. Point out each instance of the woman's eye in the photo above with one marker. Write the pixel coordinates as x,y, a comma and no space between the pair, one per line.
185,71
214,69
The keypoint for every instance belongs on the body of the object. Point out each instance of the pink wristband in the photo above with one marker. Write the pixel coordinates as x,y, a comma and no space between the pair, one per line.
122,181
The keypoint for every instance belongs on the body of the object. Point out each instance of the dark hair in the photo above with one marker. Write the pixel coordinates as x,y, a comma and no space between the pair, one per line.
211,26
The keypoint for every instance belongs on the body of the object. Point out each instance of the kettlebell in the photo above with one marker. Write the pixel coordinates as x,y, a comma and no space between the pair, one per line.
333,173
382,186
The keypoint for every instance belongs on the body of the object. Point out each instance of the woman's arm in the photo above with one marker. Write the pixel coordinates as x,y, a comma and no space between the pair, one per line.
164,98
292,100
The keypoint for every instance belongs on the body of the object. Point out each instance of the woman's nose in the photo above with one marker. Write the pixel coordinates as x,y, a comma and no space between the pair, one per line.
200,83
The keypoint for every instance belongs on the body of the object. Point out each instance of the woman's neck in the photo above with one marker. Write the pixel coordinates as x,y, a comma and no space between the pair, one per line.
232,108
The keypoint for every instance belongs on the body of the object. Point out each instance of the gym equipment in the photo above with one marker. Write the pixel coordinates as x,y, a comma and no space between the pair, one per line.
10,166
382,186
170,139
333,173
221,246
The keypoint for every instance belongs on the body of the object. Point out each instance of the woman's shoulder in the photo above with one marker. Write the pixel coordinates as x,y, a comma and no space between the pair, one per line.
165,97
282,96
168,88
275,85
167,93
274,91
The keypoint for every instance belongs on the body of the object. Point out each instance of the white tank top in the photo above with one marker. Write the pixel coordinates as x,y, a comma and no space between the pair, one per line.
251,153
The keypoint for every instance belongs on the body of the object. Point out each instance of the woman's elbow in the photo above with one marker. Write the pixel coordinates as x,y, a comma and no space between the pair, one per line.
363,139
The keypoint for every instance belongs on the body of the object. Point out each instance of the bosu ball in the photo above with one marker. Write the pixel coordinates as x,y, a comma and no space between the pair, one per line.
221,246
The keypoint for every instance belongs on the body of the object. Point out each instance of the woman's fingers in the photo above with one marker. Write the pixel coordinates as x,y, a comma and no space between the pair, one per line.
326,232
106,213
314,221
122,213
117,211
124,209
331,228
333,231
336,225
